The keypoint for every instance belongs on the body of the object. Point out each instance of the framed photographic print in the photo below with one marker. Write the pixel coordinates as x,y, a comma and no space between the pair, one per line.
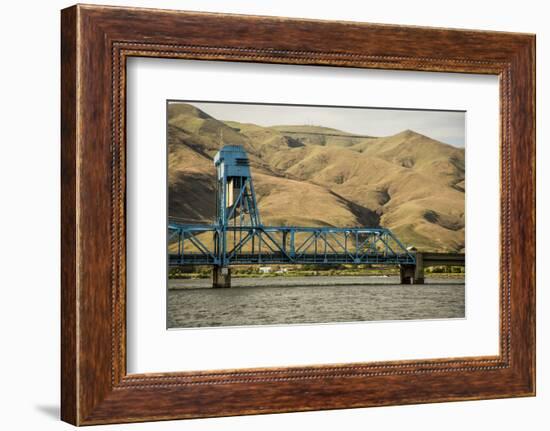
258,216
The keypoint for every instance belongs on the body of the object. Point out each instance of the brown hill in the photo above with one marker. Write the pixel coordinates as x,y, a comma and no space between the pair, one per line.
408,182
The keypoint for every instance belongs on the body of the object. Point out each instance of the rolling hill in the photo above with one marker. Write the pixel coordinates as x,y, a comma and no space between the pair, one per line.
317,176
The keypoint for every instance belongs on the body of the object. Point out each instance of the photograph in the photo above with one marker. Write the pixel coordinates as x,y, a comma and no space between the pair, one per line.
298,214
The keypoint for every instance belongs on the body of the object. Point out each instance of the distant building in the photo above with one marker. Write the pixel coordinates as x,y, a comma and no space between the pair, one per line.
265,269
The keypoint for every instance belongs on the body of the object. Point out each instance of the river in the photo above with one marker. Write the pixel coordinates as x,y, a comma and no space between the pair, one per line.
302,300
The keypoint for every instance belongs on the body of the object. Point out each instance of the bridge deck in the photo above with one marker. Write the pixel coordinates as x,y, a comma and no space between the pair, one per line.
434,259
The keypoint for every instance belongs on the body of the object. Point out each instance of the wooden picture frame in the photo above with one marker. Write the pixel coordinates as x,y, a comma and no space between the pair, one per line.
95,43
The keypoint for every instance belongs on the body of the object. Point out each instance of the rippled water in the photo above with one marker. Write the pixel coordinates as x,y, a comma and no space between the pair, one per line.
292,300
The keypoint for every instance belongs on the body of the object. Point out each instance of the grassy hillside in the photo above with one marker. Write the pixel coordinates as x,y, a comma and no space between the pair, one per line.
317,176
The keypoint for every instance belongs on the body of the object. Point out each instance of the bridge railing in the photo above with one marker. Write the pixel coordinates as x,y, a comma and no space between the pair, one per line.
227,245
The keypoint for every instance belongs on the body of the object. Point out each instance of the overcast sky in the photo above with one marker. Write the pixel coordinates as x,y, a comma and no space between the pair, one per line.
445,126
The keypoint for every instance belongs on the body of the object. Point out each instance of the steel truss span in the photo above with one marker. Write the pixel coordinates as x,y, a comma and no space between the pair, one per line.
233,245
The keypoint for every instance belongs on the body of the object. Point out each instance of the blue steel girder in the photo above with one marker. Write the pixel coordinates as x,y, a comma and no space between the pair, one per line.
200,244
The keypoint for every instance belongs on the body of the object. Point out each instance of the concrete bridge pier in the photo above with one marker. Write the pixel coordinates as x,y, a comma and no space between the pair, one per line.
221,277
419,269
413,274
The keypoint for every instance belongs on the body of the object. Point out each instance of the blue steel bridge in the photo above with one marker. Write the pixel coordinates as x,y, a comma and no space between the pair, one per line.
239,237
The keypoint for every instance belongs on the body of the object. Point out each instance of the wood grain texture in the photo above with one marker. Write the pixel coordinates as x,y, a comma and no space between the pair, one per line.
96,41
69,331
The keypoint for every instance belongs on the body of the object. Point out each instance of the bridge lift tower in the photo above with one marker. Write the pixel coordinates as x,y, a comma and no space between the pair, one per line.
236,206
